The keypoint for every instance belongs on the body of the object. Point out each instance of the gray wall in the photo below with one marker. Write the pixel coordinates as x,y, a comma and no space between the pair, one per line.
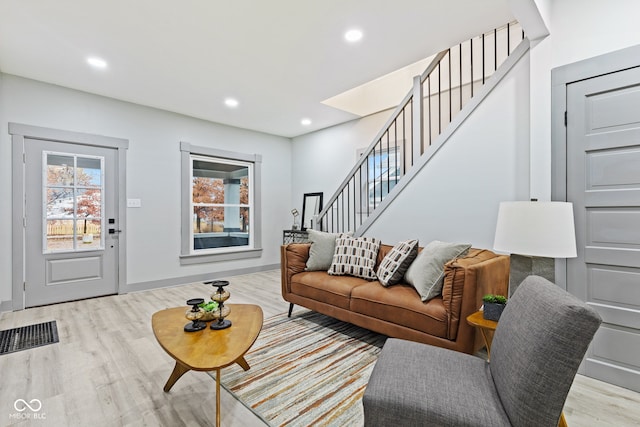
153,174
456,196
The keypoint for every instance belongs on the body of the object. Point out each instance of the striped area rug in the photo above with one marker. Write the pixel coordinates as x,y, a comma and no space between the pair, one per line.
306,370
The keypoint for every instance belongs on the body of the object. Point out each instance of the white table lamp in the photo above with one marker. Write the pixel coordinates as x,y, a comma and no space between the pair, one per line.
531,230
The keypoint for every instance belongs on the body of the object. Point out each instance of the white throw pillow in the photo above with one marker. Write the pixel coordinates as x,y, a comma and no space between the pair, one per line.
323,246
426,273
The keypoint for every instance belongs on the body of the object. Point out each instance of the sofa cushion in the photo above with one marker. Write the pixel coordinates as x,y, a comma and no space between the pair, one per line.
319,286
426,273
396,262
355,257
323,246
400,304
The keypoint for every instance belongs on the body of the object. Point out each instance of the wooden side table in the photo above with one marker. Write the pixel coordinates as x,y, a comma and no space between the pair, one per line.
487,328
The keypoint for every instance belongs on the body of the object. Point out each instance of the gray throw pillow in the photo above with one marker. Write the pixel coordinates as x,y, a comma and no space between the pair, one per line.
355,257
426,273
396,262
323,246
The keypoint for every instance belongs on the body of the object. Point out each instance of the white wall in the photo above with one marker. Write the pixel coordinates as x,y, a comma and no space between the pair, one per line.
322,159
579,30
456,196
153,173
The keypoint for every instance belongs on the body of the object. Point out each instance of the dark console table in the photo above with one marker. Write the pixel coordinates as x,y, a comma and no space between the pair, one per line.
294,236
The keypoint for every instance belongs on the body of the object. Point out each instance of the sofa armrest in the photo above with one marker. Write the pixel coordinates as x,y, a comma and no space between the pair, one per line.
293,260
467,280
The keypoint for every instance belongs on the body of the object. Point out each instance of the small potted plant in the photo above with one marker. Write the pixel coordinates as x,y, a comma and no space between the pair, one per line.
493,306
209,309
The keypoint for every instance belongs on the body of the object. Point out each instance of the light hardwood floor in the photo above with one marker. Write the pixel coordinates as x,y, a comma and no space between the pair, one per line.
108,370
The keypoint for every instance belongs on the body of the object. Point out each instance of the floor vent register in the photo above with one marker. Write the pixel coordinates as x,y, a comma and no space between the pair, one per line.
26,337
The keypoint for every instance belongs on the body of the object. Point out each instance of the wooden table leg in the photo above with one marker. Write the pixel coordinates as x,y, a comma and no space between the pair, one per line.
487,341
243,363
178,371
218,397
563,421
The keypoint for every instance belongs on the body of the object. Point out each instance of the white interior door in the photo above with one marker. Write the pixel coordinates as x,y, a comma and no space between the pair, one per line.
71,221
603,182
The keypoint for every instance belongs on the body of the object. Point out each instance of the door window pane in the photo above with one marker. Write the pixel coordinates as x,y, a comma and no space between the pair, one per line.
60,234
60,170
59,203
89,172
73,205
88,232
89,203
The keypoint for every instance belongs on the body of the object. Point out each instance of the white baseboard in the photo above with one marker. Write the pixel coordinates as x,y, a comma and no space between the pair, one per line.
175,281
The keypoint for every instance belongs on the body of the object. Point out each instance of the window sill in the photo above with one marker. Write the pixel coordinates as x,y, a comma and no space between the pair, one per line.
190,259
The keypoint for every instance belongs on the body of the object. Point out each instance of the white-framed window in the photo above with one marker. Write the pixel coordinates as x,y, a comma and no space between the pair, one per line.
221,205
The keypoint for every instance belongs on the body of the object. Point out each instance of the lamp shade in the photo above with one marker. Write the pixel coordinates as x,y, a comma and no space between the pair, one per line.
542,229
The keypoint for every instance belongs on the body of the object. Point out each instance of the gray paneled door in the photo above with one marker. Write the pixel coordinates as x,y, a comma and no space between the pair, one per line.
70,198
603,182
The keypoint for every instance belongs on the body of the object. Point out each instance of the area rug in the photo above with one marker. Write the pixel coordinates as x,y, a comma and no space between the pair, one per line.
306,370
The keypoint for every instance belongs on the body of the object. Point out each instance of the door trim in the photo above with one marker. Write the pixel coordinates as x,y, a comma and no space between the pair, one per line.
21,132
561,77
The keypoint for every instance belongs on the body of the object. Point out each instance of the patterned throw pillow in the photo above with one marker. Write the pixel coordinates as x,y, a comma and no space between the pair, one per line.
396,262
355,257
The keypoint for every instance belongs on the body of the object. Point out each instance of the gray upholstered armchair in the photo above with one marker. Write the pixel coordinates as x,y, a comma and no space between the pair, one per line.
540,341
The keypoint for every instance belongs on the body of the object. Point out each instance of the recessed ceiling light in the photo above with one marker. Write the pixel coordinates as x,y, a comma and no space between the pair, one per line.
305,122
353,36
96,62
231,103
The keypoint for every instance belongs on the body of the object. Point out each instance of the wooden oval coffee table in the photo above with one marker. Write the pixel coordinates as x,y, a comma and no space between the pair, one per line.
208,349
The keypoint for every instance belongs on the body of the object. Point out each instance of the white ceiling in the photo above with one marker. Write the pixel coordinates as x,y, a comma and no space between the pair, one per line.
279,58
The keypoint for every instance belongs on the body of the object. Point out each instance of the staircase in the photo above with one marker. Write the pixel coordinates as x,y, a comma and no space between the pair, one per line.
452,86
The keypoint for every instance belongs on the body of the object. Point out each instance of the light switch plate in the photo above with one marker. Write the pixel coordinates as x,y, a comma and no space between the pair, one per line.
134,203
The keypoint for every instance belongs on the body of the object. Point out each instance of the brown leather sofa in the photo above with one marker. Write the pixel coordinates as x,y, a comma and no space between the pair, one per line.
397,310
